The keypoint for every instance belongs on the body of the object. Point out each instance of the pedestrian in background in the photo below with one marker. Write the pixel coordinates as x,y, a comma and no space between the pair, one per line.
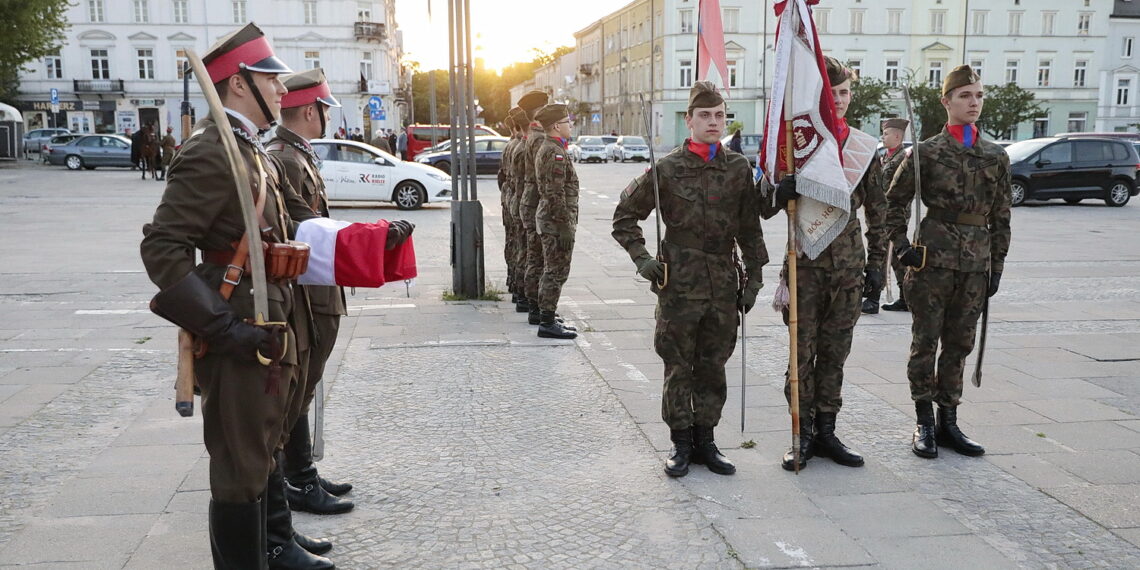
736,144
380,141
402,144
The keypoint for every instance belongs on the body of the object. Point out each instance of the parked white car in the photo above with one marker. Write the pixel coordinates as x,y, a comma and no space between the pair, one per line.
630,148
588,148
360,172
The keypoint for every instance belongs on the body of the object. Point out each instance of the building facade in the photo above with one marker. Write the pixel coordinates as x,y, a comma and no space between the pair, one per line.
120,63
1118,102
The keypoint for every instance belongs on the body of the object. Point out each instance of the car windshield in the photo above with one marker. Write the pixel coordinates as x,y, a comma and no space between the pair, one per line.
609,140
590,140
1021,150
634,140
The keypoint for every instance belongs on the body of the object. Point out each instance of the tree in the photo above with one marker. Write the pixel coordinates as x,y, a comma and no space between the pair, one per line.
29,30
868,100
1005,107
928,110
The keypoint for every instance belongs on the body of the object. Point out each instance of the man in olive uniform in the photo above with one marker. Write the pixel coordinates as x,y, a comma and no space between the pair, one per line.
528,200
830,286
517,176
556,216
965,186
506,189
168,146
243,406
894,130
708,206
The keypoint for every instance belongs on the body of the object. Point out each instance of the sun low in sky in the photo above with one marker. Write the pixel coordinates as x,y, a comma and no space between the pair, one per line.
504,31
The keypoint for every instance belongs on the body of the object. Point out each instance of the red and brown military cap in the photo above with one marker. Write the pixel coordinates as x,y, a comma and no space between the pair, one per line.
307,87
246,48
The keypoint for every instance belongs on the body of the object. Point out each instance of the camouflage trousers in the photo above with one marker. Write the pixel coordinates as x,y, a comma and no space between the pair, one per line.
534,263
694,338
510,247
945,305
555,270
828,304
518,249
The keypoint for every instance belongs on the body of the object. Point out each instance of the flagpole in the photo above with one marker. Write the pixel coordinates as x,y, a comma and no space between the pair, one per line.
697,47
793,315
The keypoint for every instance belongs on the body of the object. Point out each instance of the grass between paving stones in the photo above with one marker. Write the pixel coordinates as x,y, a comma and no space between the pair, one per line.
490,293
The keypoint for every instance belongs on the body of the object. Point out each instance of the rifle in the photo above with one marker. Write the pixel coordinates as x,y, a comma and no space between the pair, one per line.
656,191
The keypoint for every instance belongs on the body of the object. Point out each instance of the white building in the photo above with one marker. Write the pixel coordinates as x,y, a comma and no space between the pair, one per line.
120,62
1118,104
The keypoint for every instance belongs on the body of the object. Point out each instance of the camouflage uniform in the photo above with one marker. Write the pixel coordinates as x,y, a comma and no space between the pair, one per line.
829,293
518,175
528,206
510,227
890,165
557,184
706,208
946,297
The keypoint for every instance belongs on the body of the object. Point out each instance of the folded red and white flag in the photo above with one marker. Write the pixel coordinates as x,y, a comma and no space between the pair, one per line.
353,254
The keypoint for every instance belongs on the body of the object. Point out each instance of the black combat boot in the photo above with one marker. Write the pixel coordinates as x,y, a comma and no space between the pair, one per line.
282,548
314,545
870,306
336,489
706,453
550,328
305,492
678,464
898,305
949,435
924,444
237,535
522,306
827,445
807,445
534,317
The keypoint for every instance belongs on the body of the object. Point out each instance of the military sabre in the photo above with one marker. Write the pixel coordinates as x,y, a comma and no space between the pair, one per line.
656,191
921,249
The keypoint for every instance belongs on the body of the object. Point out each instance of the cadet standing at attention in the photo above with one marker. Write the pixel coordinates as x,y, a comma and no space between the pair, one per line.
506,191
708,205
965,186
831,285
528,199
556,216
893,132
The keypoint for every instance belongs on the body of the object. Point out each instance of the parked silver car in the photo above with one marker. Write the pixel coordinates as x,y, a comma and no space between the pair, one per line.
588,148
630,148
35,139
91,151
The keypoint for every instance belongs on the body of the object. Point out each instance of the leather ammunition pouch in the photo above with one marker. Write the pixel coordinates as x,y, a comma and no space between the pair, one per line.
283,261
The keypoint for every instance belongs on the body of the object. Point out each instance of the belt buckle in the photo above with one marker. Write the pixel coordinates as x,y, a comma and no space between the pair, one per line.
236,280
922,249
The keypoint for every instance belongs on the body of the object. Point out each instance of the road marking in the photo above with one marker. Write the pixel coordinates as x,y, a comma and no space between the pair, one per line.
370,307
111,311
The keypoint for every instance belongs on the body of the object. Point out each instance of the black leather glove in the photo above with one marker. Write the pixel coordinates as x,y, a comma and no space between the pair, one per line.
398,232
747,298
873,281
995,281
651,269
909,256
197,307
786,191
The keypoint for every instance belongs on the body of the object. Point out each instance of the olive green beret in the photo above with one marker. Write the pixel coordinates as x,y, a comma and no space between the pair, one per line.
551,114
962,75
704,95
532,101
896,123
837,72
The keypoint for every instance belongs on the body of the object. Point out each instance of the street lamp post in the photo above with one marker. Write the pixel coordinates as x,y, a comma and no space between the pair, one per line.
466,210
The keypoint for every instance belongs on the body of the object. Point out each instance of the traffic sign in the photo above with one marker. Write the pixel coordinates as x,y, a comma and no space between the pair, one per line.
375,103
54,96
596,118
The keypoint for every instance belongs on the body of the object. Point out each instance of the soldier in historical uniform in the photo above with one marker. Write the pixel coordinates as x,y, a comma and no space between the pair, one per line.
830,286
965,187
894,130
506,189
243,402
708,205
528,200
168,146
556,216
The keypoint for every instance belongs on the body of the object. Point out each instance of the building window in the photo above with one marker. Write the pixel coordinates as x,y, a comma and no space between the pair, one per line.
934,74
686,21
892,74
1044,70
180,61
1047,20
1040,127
141,12
857,21
181,12
1015,23
95,10
1011,66
1122,86
1079,68
731,17
1077,122
363,12
894,21
732,72
310,12
856,66
686,67
100,64
312,59
977,64
146,63
53,64
239,11
366,65
1126,50
1084,20
937,21
821,17
979,22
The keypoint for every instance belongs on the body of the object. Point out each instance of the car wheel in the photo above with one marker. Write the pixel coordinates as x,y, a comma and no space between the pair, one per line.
444,166
73,162
409,195
1072,201
1017,193
1119,194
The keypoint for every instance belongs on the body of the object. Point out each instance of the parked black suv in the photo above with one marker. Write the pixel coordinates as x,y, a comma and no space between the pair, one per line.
1073,169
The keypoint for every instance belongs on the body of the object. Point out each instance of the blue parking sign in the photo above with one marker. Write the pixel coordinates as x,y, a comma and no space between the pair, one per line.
54,96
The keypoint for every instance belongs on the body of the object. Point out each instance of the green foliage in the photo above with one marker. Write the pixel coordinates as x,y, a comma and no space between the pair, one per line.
1005,107
735,126
869,100
29,30
928,110
490,293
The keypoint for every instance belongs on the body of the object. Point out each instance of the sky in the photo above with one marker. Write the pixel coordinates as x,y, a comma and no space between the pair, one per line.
503,31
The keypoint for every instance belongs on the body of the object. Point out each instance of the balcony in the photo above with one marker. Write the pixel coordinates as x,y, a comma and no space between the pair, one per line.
369,31
97,85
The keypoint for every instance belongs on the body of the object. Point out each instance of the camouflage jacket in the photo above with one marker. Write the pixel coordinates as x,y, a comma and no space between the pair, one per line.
506,173
518,172
706,208
847,250
891,164
530,186
959,180
557,187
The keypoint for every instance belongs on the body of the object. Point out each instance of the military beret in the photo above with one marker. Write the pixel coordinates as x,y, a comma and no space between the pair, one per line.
551,114
962,75
837,72
519,117
704,95
246,48
896,123
532,101
307,87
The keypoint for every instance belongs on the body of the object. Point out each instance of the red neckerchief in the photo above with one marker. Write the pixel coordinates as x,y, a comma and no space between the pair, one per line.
960,134
707,152
563,142
891,151
842,130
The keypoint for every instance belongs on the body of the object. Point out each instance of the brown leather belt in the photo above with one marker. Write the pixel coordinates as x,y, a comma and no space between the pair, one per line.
961,218
225,258
688,240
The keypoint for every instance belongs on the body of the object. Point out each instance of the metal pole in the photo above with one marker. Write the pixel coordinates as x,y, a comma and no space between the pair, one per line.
451,93
469,62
